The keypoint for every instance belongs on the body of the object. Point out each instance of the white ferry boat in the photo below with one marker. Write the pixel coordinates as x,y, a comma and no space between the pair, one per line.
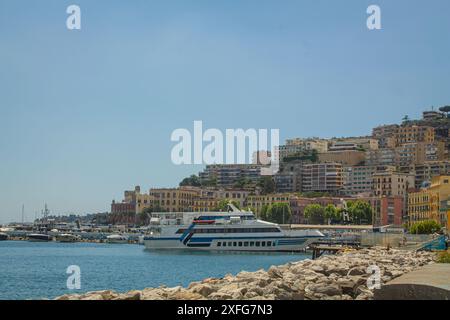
235,230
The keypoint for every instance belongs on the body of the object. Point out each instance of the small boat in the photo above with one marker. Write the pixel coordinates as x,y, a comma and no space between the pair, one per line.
67,237
3,237
39,237
117,238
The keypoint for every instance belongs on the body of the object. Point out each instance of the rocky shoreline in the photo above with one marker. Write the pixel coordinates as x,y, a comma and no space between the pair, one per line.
334,277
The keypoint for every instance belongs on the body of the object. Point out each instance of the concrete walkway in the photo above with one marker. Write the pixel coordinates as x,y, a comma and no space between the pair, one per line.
431,282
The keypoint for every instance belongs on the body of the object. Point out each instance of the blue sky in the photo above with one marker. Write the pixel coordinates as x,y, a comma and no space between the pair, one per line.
86,114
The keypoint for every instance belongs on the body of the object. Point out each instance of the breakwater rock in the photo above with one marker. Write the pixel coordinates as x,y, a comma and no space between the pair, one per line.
339,277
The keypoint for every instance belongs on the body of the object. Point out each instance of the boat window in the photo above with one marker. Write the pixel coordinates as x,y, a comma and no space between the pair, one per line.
263,243
257,243
269,243
240,244
234,244
224,244
230,244
233,230
246,244
219,244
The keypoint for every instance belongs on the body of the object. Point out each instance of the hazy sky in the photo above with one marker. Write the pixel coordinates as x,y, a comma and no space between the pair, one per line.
86,114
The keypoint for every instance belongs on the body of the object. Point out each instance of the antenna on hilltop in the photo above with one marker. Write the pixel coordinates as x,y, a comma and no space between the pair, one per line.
23,213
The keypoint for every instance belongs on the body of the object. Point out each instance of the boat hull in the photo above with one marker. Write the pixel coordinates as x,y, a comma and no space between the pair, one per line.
39,238
297,244
116,241
66,239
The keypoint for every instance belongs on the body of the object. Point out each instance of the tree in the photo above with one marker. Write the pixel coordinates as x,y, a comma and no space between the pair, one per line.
266,184
193,181
314,194
360,211
223,205
210,182
242,182
425,227
263,212
331,213
279,212
405,119
315,213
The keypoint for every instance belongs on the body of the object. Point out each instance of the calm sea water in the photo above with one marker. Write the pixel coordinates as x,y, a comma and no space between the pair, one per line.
38,270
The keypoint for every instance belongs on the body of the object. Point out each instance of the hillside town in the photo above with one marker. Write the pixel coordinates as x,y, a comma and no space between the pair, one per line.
399,173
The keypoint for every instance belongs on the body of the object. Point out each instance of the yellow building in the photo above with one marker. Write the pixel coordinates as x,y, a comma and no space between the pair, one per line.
448,220
419,206
413,133
175,199
205,204
428,204
256,202
143,200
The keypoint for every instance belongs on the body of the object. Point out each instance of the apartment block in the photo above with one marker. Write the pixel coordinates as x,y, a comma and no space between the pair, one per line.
354,143
382,157
390,183
346,158
290,150
413,133
321,145
358,180
392,211
386,135
419,152
289,178
426,171
227,175
322,177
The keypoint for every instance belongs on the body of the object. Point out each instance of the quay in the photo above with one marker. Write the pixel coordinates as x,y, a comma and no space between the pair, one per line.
431,282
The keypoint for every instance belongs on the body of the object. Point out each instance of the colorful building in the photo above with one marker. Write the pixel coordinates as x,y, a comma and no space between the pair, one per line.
430,203
322,177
